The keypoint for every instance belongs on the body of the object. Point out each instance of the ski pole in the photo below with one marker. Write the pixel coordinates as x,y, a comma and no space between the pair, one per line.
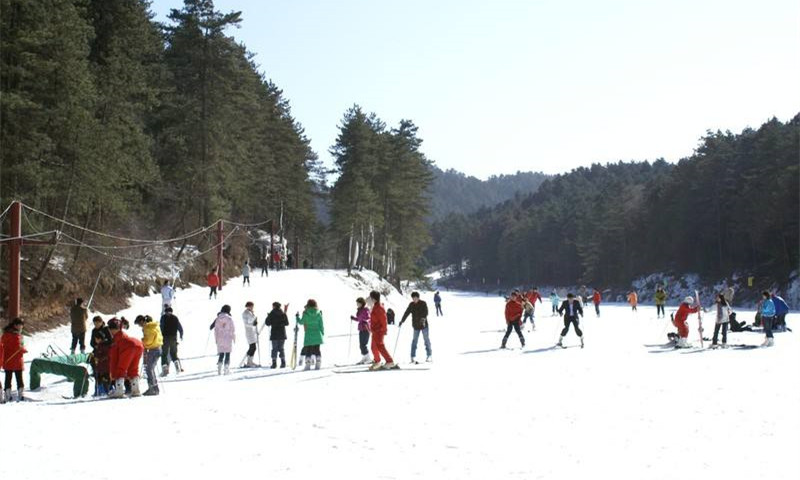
350,339
397,340
96,282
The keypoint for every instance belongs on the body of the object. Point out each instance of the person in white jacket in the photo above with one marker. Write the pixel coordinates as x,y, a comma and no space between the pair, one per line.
250,332
167,296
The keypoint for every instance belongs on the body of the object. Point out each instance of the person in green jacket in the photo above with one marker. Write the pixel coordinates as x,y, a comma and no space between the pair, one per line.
313,332
661,299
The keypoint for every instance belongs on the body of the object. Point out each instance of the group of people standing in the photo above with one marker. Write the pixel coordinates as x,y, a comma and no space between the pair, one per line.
519,304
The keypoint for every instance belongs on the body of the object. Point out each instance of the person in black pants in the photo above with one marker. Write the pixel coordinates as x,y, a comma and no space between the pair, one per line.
571,309
170,328
277,321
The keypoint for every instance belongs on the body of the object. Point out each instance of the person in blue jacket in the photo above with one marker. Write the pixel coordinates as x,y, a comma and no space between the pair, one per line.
781,309
437,301
767,318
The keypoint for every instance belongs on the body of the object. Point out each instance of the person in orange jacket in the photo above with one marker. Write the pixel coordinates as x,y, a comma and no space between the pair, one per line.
213,283
513,315
379,328
596,299
679,320
124,357
13,365
633,299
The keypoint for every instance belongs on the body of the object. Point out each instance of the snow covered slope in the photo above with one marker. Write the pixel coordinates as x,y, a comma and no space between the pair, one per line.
619,408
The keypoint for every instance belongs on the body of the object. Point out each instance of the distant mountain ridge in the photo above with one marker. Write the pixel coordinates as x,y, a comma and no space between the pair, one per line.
456,192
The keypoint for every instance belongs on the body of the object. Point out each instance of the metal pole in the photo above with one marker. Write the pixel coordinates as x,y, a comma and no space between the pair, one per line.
14,261
220,249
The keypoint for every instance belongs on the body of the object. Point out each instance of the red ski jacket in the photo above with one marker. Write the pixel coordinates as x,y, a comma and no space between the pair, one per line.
683,313
596,298
533,296
12,351
123,347
513,311
213,280
377,320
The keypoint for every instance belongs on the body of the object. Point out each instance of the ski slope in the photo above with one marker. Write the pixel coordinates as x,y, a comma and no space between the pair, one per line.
615,409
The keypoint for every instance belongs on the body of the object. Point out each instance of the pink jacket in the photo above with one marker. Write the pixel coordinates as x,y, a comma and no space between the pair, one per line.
224,333
362,317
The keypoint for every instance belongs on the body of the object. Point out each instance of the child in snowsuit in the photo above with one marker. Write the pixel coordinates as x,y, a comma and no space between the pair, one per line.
513,314
277,321
314,329
152,340
100,342
680,320
362,317
554,300
225,336
379,328
124,357
13,365
250,333
596,299
571,309
213,284
723,315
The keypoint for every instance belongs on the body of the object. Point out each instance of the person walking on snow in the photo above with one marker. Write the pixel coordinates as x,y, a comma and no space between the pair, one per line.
767,318
437,302
225,336
572,310
680,319
532,297
213,283
554,300
379,328
513,315
78,315
723,317
123,360
661,300
152,340
362,317
596,299
314,330
250,332
527,309
13,349
167,296
170,328
633,300
277,321
246,274
418,310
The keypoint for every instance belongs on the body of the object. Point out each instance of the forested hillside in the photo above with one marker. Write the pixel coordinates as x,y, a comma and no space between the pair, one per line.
455,192
730,207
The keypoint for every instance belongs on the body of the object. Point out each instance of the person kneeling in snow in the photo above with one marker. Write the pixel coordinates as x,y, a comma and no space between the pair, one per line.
124,357
680,320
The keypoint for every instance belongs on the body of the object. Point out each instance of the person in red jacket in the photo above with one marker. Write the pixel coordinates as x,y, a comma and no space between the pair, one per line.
679,320
123,359
596,299
13,350
213,283
513,318
379,328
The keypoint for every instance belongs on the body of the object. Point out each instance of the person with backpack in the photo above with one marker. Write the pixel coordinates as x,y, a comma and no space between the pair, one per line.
418,310
379,328
152,340
723,317
225,336
767,318
314,330
572,311
513,314
13,350
277,321
170,328
123,360
250,333
362,317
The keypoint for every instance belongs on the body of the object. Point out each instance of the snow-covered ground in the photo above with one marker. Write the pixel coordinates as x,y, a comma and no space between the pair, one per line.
619,408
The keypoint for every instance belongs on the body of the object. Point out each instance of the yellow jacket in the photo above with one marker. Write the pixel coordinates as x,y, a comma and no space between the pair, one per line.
152,336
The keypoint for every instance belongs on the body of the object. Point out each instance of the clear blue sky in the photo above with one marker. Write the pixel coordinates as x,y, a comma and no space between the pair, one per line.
500,86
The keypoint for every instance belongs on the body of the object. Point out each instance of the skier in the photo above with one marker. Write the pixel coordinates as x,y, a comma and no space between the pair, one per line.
572,310
13,350
661,299
167,296
767,318
213,283
781,309
437,302
170,328
532,297
246,274
527,309
250,332
124,357
633,300
152,340
277,321
596,299
225,336
418,310
78,316
379,328
582,295
100,342
513,315
723,317
314,330
362,317
680,319
554,300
